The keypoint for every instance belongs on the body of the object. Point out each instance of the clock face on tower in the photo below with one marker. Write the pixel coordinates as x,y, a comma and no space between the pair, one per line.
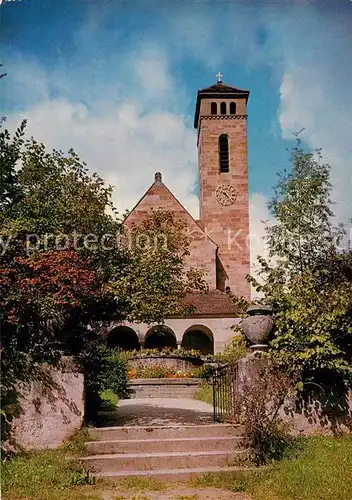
225,195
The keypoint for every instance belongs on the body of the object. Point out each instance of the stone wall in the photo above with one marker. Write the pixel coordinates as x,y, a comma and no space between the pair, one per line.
164,388
318,412
51,408
314,415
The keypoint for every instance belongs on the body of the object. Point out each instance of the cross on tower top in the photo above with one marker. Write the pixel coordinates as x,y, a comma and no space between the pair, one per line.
219,76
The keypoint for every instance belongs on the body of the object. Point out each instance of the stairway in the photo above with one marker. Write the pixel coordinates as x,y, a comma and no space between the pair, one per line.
170,453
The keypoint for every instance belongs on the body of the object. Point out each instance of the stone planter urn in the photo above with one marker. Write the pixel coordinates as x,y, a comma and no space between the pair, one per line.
257,327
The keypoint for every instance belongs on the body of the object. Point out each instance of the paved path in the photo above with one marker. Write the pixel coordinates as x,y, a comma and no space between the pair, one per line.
155,411
180,493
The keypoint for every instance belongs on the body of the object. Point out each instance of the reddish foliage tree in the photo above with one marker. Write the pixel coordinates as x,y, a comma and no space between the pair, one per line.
47,283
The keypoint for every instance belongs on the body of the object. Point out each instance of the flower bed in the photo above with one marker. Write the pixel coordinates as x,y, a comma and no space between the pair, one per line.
168,363
167,352
159,371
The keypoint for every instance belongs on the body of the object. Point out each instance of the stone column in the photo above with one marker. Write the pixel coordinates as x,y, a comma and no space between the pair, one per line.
179,344
249,368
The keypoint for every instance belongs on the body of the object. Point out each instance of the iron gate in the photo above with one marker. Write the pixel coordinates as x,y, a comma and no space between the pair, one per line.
224,393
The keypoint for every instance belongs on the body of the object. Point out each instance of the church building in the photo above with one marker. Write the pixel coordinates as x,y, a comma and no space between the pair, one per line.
220,238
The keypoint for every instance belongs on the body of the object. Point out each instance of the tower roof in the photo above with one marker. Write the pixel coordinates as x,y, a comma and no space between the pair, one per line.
219,89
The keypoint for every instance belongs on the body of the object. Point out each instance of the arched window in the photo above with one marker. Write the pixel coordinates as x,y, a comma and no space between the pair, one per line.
232,108
223,108
160,337
123,337
224,153
214,108
198,338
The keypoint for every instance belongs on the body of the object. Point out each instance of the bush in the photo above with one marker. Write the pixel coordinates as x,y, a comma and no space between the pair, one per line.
235,350
204,372
259,403
104,369
113,373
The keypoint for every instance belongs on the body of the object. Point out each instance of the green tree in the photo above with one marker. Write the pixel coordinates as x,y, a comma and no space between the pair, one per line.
155,280
73,274
10,149
307,280
301,206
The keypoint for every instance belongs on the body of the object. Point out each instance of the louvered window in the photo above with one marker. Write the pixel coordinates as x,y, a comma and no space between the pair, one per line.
224,153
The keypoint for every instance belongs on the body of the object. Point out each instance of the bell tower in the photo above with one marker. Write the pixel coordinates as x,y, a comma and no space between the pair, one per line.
221,121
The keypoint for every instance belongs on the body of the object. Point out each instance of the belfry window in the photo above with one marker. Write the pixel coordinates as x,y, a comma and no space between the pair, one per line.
224,153
214,108
223,108
232,108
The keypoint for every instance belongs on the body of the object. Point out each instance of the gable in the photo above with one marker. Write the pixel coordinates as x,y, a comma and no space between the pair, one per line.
159,196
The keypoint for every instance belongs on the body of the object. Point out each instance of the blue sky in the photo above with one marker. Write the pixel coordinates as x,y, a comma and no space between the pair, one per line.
117,81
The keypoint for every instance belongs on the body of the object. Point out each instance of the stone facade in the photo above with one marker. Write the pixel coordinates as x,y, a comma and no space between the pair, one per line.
202,249
220,239
228,225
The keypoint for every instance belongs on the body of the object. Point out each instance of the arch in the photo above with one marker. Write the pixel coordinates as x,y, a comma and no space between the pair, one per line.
232,108
224,153
223,108
199,338
214,108
123,337
159,337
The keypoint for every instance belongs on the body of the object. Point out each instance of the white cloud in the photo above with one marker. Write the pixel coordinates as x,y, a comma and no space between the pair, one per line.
127,139
151,68
259,220
127,142
326,126
126,145
307,48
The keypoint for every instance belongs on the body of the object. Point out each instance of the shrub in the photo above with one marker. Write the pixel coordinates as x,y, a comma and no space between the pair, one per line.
204,372
113,373
104,369
259,402
235,350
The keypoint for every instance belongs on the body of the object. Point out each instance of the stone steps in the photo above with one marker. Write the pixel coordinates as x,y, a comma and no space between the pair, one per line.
173,460
165,432
169,475
164,387
166,452
228,443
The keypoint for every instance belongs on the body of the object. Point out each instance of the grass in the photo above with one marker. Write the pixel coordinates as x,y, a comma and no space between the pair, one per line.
110,399
142,483
42,475
318,468
205,393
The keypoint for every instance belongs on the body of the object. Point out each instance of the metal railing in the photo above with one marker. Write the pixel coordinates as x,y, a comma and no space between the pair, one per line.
224,393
